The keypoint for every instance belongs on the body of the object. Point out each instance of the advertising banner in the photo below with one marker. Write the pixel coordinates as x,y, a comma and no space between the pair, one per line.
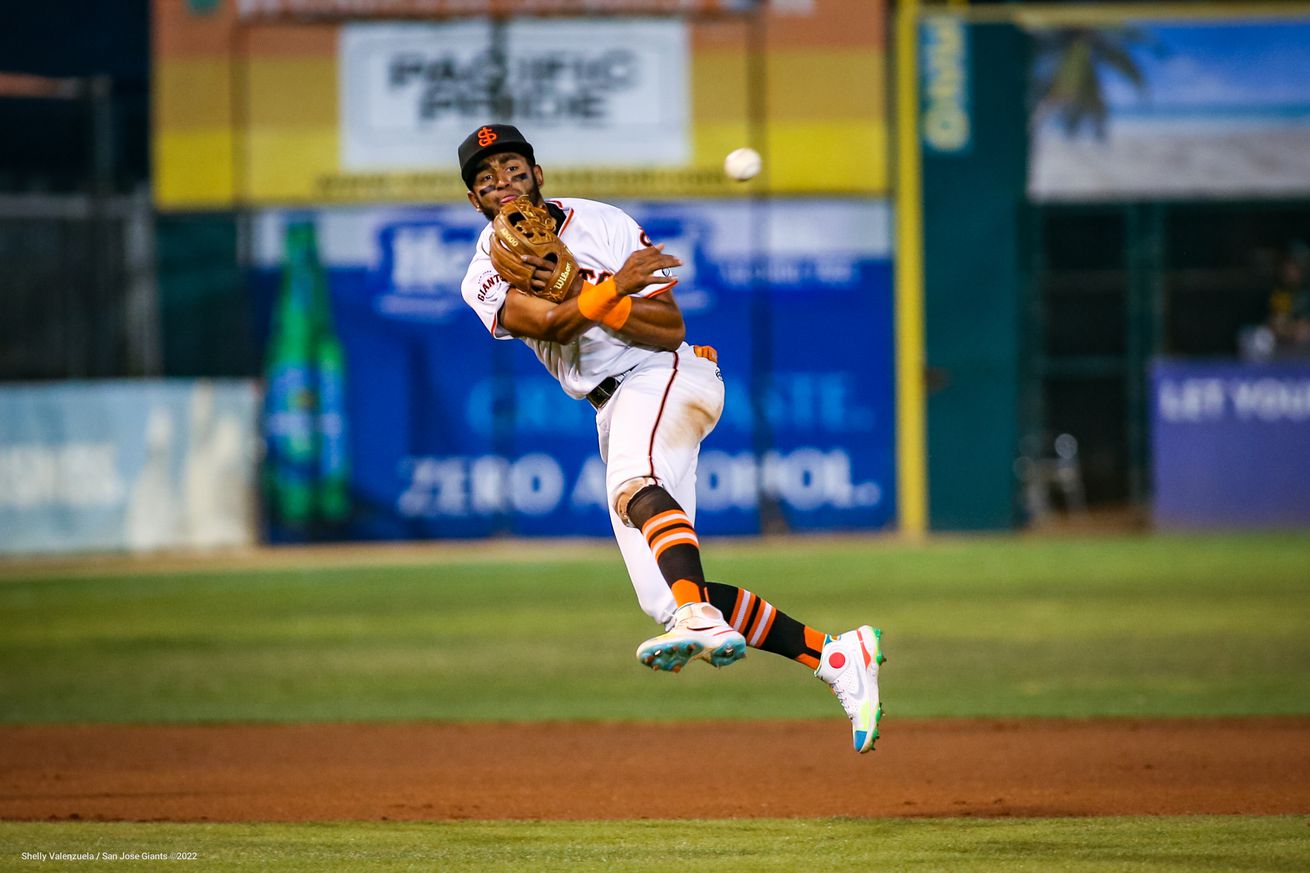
339,102
1231,444
354,9
1172,109
611,93
454,434
141,465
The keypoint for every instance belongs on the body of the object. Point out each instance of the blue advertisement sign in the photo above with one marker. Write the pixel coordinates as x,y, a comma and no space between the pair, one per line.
1231,444
1183,109
134,465
455,434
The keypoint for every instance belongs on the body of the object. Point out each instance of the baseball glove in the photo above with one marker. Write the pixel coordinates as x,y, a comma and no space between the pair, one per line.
522,228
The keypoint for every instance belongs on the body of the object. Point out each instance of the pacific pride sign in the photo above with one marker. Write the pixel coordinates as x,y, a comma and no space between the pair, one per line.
600,93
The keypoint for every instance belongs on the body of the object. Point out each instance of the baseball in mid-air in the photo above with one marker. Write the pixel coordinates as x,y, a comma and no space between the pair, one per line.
742,164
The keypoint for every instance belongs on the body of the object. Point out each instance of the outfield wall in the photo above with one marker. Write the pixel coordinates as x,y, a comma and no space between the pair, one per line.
453,434
1231,444
127,465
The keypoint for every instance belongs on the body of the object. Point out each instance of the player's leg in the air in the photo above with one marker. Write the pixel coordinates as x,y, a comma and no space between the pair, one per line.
650,434
696,629
654,524
848,662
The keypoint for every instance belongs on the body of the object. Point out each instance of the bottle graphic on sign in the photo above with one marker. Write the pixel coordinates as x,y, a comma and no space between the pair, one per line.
330,425
291,466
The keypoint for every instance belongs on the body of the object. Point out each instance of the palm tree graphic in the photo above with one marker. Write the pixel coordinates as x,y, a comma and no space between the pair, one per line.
1069,69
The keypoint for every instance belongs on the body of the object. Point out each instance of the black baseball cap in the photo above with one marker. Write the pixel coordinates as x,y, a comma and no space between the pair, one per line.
490,139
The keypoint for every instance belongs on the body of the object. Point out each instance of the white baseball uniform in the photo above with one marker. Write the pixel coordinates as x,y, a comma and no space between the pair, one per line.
666,402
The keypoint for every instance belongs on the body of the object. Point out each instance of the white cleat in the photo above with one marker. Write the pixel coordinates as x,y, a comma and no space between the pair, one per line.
849,664
698,631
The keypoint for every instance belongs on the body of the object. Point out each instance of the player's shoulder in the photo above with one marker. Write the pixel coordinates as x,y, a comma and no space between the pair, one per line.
594,209
481,248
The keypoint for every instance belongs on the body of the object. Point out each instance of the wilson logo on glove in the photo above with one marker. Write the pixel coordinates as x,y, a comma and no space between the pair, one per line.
523,228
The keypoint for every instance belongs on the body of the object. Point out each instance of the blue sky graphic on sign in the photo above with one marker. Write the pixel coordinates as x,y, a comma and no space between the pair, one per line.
1220,109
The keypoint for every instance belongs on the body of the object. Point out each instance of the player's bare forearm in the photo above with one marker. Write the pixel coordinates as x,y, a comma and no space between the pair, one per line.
526,316
655,322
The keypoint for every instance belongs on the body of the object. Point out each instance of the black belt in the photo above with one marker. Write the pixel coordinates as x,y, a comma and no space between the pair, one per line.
601,394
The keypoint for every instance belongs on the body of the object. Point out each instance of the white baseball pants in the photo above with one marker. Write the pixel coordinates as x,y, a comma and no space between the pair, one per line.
652,428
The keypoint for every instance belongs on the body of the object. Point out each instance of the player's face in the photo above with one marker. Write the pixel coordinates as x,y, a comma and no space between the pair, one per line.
502,177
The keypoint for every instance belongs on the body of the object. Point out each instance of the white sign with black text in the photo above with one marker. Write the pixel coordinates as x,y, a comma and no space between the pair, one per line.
585,92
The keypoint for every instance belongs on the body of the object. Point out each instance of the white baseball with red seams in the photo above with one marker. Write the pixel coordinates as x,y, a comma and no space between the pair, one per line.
743,164
666,404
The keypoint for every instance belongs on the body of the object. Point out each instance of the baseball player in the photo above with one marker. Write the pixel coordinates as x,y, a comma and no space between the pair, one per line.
600,315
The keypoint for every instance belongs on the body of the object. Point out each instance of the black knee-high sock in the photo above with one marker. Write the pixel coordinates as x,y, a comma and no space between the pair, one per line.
673,541
766,627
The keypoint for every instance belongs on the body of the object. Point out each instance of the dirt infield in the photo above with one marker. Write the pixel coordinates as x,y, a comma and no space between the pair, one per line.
958,767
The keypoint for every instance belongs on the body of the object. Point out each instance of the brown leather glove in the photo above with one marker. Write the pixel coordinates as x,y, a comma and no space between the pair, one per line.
522,228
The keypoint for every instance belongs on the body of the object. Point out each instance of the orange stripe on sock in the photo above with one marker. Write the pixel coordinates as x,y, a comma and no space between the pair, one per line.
814,642
763,622
685,591
662,519
731,614
741,609
676,537
664,530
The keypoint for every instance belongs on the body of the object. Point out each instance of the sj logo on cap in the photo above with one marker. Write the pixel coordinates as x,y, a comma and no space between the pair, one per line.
486,136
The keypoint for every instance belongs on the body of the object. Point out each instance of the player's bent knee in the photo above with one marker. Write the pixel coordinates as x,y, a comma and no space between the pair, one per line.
624,493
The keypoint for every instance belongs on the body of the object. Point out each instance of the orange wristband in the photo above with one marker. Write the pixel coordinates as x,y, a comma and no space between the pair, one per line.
596,301
618,316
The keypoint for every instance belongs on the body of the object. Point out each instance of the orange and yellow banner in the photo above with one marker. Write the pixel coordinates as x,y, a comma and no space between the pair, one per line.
258,103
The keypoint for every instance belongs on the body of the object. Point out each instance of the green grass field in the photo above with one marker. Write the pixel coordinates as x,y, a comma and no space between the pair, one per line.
1116,626
1206,844
986,626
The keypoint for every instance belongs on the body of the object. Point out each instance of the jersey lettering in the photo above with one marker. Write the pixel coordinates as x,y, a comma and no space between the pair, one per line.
488,283
593,276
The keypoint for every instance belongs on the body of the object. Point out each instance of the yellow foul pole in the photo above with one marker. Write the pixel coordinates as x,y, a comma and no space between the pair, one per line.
911,440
